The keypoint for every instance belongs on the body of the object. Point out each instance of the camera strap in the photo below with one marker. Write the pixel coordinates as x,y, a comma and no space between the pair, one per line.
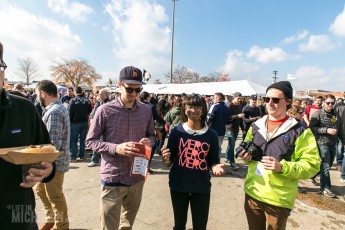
268,136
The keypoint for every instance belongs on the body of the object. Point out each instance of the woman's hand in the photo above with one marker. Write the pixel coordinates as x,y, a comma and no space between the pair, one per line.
218,170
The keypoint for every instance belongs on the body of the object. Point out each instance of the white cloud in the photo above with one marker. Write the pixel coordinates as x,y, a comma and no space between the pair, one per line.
28,35
74,10
237,66
140,35
317,43
269,55
297,37
310,77
338,26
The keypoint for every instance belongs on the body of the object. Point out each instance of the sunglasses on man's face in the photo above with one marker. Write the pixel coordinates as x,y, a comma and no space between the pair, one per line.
274,99
131,90
329,102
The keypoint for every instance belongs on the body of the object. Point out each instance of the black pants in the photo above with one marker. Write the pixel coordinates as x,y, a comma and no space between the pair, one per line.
199,204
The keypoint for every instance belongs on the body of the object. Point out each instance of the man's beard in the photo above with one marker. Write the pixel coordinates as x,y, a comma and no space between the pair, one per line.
42,101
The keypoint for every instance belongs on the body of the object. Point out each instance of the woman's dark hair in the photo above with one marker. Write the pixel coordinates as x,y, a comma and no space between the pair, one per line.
194,100
143,96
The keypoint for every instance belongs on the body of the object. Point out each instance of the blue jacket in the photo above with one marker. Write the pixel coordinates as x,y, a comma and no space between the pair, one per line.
218,117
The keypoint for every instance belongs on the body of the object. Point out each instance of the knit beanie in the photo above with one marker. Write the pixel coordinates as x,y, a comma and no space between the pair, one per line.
284,86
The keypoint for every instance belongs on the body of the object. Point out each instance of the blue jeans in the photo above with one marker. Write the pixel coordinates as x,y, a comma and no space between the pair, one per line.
327,154
232,136
342,175
220,142
95,157
340,152
78,131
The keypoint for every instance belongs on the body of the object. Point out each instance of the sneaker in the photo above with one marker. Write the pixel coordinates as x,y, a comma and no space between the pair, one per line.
233,166
302,190
73,160
314,182
226,161
342,180
92,164
328,193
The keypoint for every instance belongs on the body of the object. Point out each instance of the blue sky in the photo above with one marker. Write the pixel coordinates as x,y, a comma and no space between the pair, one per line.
246,39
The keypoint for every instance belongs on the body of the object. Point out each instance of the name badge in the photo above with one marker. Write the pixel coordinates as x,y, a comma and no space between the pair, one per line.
259,169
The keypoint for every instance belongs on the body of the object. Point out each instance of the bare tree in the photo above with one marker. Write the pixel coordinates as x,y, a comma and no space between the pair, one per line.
27,69
182,74
75,72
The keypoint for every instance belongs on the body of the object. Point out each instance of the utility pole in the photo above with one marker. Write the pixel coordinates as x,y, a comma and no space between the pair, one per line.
275,76
172,40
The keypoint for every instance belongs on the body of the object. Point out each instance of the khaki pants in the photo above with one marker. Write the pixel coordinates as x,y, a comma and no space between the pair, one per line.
54,201
262,216
120,205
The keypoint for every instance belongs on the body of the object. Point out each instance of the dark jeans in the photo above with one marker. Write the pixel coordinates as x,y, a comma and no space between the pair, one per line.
199,204
342,175
160,143
153,150
327,154
78,131
232,136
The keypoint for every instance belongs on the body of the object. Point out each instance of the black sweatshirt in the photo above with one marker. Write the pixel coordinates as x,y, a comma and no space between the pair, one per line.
20,125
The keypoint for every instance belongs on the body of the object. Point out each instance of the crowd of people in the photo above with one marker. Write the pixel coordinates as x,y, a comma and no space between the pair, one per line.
283,140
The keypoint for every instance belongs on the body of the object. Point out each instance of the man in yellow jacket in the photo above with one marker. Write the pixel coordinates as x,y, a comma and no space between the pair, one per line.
279,151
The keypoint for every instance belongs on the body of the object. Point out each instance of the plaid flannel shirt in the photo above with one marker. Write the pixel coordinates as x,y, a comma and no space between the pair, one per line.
56,118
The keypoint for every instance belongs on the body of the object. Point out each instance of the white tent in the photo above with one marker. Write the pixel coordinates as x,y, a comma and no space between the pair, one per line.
246,88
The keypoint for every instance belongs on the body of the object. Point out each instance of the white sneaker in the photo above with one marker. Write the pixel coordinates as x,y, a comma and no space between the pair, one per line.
342,180
92,164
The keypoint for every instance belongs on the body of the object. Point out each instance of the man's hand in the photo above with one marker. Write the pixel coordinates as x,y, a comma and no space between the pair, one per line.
37,175
127,149
145,141
241,115
271,163
218,170
245,156
331,131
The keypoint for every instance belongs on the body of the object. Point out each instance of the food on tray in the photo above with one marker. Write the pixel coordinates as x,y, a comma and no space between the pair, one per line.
39,149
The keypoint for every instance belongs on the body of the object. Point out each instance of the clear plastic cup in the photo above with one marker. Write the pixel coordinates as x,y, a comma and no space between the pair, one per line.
26,171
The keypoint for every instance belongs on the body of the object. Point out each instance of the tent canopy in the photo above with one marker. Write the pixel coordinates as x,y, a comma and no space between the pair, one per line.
246,88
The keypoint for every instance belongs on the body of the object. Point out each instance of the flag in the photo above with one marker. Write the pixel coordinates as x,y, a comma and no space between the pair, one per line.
146,75
290,77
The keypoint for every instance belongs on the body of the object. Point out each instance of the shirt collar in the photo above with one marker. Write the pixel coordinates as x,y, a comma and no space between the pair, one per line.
5,100
50,106
194,132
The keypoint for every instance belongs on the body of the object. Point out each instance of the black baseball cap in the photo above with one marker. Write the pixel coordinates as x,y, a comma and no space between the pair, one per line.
131,75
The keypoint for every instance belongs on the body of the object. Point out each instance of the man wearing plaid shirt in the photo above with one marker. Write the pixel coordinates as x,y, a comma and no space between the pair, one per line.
56,118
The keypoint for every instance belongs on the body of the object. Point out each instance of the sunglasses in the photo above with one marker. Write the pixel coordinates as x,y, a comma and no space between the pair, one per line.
274,99
190,107
131,90
329,102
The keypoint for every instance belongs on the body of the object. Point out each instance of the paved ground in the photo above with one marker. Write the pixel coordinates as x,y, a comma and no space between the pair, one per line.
82,190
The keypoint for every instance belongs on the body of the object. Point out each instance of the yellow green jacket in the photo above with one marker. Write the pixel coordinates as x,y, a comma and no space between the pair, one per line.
295,148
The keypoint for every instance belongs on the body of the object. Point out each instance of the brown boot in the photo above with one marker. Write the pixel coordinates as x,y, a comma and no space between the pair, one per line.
47,226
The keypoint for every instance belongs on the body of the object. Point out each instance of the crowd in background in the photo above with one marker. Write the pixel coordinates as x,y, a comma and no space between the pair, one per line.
226,114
